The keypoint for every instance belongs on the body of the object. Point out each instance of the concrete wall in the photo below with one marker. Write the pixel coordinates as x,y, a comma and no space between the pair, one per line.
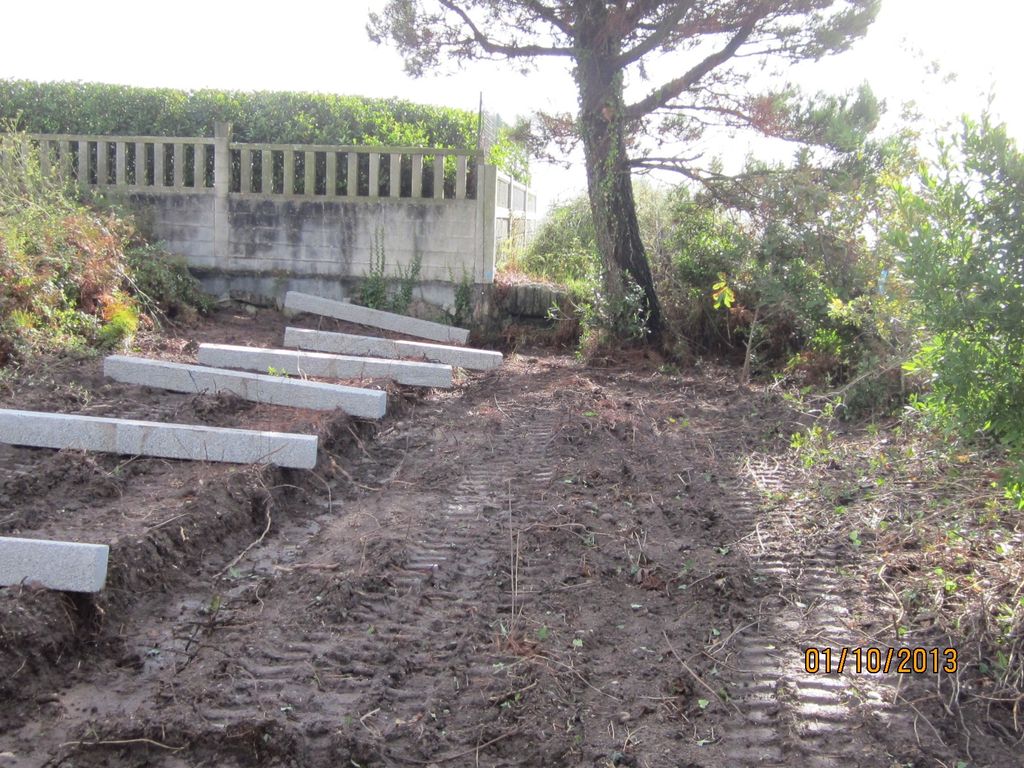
315,246
184,221
261,219
310,238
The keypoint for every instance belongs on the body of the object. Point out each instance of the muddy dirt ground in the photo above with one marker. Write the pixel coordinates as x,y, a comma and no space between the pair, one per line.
550,565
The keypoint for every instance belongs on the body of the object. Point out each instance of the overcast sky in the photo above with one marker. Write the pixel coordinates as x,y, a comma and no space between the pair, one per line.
319,46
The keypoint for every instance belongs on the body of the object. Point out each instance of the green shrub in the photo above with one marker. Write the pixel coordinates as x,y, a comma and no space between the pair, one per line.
164,284
260,116
65,279
563,251
962,242
375,291
121,325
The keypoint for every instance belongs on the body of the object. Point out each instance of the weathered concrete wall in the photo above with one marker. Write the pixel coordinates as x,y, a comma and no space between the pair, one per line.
337,238
324,247
259,219
185,222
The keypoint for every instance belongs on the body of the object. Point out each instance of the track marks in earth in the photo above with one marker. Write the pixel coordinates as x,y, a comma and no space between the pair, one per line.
790,716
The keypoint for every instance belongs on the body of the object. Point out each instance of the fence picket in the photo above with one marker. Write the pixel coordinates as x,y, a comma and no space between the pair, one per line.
120,179
395,175
140,164
352,179
159,167
439,177
245,171
460,177
45,159
267,172
417,176
289,172
374,190
309,173
102,163
331,177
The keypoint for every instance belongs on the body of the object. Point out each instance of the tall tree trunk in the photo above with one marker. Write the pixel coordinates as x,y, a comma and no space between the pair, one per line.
609,181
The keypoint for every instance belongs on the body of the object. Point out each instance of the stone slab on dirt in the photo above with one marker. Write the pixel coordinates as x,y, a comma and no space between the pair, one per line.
372,346
64,565
258,388
375,318
146,438
325,366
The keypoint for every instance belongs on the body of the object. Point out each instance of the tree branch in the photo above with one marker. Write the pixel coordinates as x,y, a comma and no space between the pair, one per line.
504,49
671,89
549,15
660,33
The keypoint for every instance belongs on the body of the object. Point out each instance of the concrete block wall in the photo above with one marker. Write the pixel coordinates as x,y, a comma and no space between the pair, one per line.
233,224
184,221
338,238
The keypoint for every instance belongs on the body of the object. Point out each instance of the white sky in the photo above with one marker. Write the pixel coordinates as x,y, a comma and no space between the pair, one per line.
322,46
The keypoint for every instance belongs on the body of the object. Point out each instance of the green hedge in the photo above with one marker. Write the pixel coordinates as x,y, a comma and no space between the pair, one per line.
264,116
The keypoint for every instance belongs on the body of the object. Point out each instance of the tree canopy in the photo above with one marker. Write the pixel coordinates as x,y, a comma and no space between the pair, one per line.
715,47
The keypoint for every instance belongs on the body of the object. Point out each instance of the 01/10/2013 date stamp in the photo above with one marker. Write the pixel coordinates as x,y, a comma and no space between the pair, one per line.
874,660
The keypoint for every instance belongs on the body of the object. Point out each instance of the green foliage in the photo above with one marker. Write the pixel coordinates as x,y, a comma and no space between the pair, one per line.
462,312
262,116
374,291
408,278
817,290
164,284
605,320
65,281
563,250
510,152
122,324
962,243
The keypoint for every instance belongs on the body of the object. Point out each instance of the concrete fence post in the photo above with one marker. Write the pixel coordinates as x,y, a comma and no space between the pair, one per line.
486,199
221,192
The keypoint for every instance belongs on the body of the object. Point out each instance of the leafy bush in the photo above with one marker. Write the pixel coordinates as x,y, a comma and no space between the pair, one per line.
122,321
260,116
65,281
164,284
962,243
374,291
563,251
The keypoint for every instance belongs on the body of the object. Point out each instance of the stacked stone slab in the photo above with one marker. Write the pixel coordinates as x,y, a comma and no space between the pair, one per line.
145,438
388,321
62,565
372,346
325,366
177,377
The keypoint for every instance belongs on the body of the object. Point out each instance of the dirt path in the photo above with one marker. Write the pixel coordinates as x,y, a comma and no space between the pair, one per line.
549,566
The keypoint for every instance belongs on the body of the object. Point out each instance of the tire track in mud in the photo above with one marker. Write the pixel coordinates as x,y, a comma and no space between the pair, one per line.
790,716
403,645
461,566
